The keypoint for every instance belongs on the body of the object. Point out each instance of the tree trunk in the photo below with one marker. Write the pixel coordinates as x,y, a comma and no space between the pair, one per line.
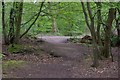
118,23
54,25
99,20
92,30
18,17
3,24
107,45
11,34
118,27
95,48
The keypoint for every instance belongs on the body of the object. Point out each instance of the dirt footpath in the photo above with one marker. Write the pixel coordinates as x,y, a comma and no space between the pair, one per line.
69,51
62,60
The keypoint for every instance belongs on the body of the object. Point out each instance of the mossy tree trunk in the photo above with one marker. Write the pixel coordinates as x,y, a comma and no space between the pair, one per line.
18,18
13,35
3,23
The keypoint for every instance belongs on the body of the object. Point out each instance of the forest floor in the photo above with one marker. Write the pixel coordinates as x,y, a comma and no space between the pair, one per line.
57,60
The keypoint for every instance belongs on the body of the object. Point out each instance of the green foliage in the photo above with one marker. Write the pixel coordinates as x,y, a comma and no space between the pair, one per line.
114,40
50,34
15,48
1,55
69,17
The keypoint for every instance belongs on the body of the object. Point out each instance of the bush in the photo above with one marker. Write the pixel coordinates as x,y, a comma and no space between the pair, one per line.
115,41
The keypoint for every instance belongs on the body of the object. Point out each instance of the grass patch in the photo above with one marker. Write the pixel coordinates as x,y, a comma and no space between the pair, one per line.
15,48
12,64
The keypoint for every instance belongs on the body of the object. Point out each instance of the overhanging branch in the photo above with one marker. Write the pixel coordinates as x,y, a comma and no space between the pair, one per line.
33,21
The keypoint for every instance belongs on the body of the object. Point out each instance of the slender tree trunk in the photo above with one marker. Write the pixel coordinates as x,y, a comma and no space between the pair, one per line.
118,23
107,45
94,38
54,25
85,15
11,34
92,30
18,17
99,20
95,48
3,23
118,26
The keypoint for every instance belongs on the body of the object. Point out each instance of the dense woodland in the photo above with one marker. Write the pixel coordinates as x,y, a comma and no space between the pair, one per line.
99,20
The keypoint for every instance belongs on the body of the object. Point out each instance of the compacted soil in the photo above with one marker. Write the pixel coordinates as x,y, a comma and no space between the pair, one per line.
56,58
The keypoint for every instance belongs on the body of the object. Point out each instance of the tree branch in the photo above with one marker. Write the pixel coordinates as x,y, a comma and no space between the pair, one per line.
85,14
23,24
33,21
89,11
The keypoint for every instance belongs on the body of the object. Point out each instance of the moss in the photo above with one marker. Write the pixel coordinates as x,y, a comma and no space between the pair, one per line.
1,55
12,64
15,48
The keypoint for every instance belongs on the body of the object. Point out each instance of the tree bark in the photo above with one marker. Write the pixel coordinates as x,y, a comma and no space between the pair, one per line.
92,30
54,25
118,26
11,34
99,20
118,23
3,23
85,14
18,17
107,45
